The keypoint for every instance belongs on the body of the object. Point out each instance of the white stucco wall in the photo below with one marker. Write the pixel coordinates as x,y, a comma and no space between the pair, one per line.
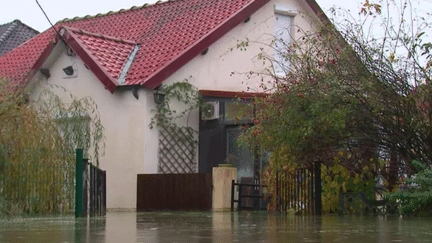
125,120
213,70
131,146
225,67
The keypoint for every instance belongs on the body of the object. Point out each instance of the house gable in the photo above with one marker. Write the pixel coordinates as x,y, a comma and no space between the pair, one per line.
169,34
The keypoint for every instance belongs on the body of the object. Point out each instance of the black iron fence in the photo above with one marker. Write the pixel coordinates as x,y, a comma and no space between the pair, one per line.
250,196
300,190
90,195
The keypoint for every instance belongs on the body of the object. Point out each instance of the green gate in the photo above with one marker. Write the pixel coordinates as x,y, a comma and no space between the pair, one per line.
90,195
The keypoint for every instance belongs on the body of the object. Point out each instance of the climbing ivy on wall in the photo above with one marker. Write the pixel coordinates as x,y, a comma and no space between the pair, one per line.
177,142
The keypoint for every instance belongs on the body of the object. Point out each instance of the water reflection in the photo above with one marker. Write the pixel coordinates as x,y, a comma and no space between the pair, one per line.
193,227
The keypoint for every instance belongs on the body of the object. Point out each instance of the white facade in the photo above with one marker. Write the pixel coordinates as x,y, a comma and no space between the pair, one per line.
131,146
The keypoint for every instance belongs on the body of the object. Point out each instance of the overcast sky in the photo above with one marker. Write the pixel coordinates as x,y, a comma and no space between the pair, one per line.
29,13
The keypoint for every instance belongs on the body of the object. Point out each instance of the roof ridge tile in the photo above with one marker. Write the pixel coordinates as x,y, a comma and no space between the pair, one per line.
146,5
14,24
99,35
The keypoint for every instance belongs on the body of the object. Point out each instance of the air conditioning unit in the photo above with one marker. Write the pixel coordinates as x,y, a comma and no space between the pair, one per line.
210,110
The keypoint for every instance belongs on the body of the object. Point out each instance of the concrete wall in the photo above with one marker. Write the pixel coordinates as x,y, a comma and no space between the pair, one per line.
222,182
131,146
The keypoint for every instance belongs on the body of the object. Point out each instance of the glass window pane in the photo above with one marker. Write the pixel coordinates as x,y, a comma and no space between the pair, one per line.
238,111
282,29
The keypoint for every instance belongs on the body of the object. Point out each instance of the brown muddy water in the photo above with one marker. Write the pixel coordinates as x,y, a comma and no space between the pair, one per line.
190,227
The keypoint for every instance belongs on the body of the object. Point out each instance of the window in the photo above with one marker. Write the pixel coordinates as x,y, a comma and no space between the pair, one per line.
75,130
282,34
238,112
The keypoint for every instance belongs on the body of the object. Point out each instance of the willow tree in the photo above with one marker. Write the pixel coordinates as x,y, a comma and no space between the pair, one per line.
37,144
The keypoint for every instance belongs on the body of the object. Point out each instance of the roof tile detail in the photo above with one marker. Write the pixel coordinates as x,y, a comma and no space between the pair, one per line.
165,32
110,53
13,34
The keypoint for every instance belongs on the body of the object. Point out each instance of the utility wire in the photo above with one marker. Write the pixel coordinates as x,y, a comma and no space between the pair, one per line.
46,16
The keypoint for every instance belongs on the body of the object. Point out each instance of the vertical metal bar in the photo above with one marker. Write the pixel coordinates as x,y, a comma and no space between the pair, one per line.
292,188
104,192
304,198
277,192
289,187
85,187
286,191
296,189
308,192
283,187
303,205
99,192
100,208
79,183
300,189
232,195
318,188
239,206
300,201
92,192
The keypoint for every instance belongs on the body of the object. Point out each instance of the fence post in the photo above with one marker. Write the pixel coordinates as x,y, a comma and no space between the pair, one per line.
232,194
104,192
318,189
277,191
79,183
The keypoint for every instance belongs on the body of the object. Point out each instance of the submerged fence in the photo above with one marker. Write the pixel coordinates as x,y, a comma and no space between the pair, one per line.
300,190
34,187
92,188
250,196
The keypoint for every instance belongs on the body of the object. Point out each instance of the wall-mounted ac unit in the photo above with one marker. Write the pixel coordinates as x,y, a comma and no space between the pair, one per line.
210,110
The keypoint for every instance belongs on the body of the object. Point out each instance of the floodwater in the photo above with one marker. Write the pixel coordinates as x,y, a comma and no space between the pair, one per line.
193,227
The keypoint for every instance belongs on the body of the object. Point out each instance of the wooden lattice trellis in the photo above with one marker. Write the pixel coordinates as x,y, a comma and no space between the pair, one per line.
177,148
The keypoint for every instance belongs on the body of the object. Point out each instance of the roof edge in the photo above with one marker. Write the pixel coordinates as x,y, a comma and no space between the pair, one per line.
70,38
231,94
318,11
40,61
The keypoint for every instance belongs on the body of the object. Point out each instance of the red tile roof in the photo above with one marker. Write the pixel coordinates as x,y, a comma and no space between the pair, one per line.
169,34
110,52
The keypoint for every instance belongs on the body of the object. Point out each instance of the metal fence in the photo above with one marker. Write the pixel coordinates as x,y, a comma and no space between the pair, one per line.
90,188
299,190
30,188
250,196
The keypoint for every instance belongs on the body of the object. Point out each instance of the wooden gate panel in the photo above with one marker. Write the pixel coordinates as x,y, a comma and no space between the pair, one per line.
174,192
